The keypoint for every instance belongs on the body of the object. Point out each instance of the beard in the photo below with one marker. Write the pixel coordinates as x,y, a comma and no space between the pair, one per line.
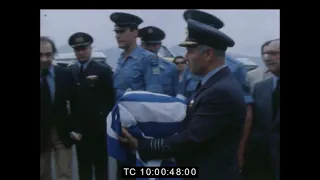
45,64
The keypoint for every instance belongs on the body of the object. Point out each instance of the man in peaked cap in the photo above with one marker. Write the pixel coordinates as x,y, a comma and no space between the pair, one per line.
239,71
126,29
137,69
80,40
151,38
203,17
95,99
215,115
189,82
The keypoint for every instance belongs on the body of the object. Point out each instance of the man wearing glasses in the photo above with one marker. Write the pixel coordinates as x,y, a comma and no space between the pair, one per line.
181,65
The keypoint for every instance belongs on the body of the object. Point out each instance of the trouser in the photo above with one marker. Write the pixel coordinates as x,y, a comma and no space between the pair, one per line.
92,152
63,160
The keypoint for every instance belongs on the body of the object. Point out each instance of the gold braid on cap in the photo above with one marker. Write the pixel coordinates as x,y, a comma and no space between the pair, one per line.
186,42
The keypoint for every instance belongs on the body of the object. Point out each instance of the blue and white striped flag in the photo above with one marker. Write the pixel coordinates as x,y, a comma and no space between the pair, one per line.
148,115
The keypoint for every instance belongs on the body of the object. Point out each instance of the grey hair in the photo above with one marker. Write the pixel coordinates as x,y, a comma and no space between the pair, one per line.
218,53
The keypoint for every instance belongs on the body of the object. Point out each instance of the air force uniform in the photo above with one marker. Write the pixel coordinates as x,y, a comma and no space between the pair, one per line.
214,120
190,81
169,77
138,71
95,99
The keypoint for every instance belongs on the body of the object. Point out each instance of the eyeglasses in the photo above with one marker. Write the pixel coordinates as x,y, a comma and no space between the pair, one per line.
183,62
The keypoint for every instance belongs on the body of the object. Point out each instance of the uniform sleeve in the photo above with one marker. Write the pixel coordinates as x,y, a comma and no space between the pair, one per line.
109,94
74,125
211,116
147,66
241,76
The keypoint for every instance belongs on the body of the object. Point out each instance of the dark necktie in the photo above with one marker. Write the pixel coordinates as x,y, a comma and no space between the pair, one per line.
81,72
276,99
198,86
45,96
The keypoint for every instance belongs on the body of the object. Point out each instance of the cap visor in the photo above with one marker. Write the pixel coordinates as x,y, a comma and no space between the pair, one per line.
188,44
80,45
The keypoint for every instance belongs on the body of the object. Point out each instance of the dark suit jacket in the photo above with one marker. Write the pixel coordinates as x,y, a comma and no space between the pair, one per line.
60,117
212,133
95,98
262,159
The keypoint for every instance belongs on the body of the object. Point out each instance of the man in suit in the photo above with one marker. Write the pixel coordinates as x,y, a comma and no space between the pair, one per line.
215,115
55,118
237,70
260,73
96,98
262,159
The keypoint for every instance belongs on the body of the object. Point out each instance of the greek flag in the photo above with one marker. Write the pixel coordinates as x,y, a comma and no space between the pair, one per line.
148,115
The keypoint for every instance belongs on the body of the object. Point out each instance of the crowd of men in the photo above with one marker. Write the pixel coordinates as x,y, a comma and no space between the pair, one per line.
232,126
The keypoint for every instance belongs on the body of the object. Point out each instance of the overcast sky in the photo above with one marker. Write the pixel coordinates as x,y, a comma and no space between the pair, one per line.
249,28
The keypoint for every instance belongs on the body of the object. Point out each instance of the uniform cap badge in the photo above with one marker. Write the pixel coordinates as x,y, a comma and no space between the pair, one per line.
150,30
79,39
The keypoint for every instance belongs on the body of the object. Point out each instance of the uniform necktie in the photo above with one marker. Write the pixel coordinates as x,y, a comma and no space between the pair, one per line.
198,86
81,72
276,99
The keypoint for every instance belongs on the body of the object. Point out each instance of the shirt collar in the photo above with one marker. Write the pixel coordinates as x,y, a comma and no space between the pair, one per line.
274,81
134,53
51,71
84,64
210,74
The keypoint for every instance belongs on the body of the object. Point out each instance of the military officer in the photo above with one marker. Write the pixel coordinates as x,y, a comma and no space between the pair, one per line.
238,71
189,82
215,115
96,98
137,68
151,38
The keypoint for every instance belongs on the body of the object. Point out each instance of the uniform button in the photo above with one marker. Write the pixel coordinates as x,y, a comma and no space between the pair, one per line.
100,112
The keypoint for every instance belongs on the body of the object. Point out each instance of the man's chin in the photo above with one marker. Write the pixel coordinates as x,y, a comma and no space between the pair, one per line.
121,46
45,65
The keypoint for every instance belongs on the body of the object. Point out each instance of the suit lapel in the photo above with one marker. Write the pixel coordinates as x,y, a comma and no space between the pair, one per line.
57,81
75,72
88,68
215,78
267,88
